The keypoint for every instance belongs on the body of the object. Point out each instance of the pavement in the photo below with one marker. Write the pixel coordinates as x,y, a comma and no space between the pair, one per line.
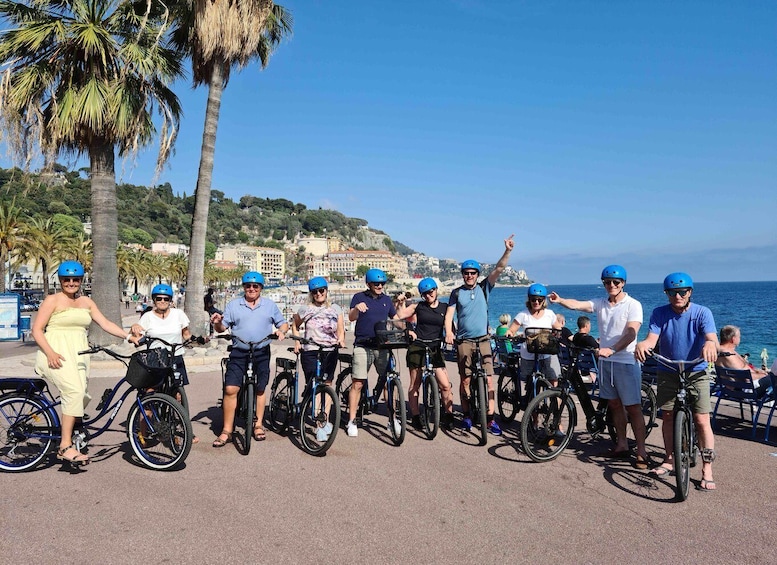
447,500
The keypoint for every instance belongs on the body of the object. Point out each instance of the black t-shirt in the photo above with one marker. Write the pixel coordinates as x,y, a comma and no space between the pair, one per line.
585,340
430,322
566,335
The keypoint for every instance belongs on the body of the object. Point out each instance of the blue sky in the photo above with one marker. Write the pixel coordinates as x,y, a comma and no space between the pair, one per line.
643,133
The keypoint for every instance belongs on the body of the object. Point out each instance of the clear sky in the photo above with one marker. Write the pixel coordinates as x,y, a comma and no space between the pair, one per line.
643,133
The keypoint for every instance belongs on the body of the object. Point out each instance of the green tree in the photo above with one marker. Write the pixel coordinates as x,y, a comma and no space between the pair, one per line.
84,77
10,225
220,35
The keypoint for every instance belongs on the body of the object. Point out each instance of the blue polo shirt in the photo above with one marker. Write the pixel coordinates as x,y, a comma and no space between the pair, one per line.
682,336
379,308
252,324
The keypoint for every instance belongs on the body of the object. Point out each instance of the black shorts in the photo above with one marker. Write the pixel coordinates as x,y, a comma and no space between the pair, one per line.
238,363
328,364
416,357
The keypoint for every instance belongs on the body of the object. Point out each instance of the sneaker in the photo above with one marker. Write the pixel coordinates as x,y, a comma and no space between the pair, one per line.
559,435
494,428
466,423
321,434
328,429
416,422
447,421
352,430
397,427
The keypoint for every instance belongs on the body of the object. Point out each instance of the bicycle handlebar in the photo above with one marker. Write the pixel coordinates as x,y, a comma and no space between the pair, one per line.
148,340
250,344
679,365
98,348
308,341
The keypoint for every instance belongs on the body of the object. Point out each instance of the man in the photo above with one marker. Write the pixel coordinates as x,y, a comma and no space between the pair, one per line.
730,337
565,334
469,303
367,309
619,318
683,330
251,318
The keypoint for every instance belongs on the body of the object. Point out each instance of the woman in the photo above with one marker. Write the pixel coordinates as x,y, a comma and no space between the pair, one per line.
167,323
60,330
324,324
536,315
430,322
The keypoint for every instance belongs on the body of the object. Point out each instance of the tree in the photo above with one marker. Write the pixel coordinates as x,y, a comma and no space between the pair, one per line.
84,77
219,35
10,224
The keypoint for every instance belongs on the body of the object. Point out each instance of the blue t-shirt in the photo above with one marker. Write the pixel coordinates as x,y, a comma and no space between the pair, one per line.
252,324
682,336
471,309
379,308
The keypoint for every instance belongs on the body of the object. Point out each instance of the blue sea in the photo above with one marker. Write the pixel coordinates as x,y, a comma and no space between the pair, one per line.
750,305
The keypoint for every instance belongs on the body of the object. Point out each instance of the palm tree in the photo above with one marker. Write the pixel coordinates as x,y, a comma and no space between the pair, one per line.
220,35
84,77
10,224
42,242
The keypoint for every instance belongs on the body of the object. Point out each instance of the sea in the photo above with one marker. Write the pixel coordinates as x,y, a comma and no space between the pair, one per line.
750,305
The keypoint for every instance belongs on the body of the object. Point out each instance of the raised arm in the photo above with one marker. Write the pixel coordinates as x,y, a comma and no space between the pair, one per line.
503,260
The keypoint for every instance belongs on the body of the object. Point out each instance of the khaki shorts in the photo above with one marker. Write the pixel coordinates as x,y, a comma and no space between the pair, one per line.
464,352
668,384
364,358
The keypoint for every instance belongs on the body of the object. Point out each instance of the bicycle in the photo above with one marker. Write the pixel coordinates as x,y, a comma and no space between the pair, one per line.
686,447
246,398
318,411
510,397
429,402
478,396
389,339
158,428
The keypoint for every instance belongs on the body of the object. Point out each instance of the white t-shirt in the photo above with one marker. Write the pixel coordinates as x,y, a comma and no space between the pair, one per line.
612,320
526,320
168,328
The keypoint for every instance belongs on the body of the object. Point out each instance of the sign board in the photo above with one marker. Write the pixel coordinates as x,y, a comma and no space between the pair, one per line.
9,317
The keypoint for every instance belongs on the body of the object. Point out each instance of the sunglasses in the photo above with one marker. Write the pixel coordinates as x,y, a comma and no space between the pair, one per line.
674,292
70,279
428,292
162,299
252,285
612,282
536,299
377,284
470,273
318,291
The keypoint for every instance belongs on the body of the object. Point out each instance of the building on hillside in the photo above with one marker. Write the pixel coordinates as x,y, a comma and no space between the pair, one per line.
342,263
170,249
318,268
392,263
420,264
268,261
315,246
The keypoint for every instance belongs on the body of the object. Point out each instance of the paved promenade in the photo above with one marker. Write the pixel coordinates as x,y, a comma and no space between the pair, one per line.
441,501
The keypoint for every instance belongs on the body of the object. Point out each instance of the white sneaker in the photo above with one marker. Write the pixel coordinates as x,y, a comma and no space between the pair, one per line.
328,429
397,427
321,434
352,430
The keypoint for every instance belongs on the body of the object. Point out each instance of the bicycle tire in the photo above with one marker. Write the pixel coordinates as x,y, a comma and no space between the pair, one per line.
547,425
682,453
20,416
311,421
249,405
430,407
396,410
279,414
508,397
539,384
161,435
180,395
649,407
479,406
343,389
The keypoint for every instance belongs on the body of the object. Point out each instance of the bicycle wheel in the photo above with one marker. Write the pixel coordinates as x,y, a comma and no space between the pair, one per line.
26,427
397,416
159,432
682,452
430,406
508,397
279,414
318,420
547,425
479,405
249,415
343,389
649,407
539,384
180,395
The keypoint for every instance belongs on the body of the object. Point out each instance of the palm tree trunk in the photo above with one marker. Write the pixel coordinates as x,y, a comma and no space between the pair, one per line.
195,285
105,238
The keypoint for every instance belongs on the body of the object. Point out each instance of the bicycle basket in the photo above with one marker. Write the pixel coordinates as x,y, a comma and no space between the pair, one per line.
541,341
391,334
149,367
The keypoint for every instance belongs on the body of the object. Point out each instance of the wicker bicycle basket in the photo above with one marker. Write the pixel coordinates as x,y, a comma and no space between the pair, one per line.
542,341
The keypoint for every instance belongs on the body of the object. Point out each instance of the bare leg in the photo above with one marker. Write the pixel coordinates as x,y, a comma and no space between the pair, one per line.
412,391
638,427
706,441
619,419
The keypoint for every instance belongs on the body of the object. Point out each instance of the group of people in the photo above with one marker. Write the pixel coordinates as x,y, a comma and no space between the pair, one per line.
680,329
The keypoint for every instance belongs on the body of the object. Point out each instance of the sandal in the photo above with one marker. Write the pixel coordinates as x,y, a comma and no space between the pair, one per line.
84,459
642,463
613,454
662,471
259,434
706,486
218,442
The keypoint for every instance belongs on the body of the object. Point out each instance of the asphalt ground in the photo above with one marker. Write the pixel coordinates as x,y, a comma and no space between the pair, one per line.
446,500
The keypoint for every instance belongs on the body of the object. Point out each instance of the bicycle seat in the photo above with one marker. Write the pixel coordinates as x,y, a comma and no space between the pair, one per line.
286,364
345,358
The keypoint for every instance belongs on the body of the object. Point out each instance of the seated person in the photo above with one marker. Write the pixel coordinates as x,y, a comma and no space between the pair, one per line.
730,336
583,338
565,334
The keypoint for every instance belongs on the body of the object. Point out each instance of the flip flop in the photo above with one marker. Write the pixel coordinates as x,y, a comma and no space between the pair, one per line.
662,471
704,486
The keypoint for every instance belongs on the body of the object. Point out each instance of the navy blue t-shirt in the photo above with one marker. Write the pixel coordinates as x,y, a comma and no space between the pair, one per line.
379,308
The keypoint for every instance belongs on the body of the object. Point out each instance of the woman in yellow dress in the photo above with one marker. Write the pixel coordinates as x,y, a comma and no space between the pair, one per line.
60,330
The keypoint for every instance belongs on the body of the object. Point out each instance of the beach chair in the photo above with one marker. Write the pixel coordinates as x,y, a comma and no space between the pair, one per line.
736,385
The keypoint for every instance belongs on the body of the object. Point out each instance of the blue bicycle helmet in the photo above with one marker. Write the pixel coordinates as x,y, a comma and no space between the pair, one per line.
375,276
426,285
253,277
470,264
70,269
538,289
162,290
614,272
317,282
678,280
